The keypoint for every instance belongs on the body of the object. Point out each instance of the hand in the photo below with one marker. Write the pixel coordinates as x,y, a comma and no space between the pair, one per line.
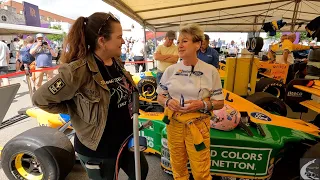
191,106
39,43
174,105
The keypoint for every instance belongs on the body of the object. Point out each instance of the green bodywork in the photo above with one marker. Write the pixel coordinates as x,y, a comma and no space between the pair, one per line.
235,152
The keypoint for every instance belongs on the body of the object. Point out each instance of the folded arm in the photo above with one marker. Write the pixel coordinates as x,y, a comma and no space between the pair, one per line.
53,95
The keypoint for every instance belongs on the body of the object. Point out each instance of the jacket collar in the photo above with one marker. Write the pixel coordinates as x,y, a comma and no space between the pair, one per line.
92,63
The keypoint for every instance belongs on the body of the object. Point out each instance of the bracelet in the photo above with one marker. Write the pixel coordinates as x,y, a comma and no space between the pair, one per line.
167,101
205,105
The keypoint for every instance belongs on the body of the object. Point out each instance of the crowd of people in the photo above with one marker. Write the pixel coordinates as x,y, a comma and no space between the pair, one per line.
33,53
135,50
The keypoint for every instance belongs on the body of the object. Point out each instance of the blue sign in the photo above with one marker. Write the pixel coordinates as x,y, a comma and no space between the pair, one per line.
31,14
260,116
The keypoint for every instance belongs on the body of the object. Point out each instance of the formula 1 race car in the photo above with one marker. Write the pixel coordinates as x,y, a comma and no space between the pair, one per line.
266,145
257,150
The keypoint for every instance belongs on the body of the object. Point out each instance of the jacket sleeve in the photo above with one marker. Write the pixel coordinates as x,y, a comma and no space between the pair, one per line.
299,47
54,94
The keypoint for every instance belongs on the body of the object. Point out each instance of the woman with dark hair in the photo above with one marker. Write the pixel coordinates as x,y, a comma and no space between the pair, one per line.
95,89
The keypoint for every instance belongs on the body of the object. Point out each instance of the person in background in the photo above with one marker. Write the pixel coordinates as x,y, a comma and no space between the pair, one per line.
96,91
197,86
219,43
166,54
27,58
138,55
43,52
208,54
313,64
14,48
232,49
123,53
299,47
280,52
4,62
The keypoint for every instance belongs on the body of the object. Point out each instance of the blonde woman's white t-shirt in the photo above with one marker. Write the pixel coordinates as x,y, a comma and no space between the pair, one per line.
204,82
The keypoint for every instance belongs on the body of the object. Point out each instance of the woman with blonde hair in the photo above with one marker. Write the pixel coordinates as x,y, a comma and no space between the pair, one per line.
197,86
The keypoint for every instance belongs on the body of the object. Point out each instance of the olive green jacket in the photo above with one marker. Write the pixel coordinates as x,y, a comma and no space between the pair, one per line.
80,91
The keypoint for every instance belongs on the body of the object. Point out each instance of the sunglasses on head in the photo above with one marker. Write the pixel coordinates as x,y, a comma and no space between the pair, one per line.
106,21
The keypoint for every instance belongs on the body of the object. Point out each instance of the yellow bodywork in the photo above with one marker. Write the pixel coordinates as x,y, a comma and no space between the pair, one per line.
44,118
241,104
240,74
136,78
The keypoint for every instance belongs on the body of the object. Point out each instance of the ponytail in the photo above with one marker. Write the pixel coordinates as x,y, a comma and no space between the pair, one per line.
74,46
83,35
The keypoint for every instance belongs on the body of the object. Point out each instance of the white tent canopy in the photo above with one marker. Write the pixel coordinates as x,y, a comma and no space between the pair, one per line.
13,29
219,15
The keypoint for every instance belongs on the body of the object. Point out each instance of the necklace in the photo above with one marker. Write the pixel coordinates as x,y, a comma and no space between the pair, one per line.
125,84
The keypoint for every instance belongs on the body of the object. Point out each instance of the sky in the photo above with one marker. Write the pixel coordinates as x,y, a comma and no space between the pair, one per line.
76,8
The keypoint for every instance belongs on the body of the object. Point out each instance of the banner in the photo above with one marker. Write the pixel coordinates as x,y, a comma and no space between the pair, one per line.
31,14
297,36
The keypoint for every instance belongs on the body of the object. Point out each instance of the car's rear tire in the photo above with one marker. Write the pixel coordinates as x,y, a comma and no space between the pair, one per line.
271,86
269,103
38,153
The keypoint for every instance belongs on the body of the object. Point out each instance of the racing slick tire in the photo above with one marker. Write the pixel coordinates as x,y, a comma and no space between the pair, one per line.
38,153
316,121
271,86
248,44
256,44
147,87
313,152
269,103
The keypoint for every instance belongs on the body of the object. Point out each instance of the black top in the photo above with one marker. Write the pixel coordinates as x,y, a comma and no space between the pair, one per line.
119,123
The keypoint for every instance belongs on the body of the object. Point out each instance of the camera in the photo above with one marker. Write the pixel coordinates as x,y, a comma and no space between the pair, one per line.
44,43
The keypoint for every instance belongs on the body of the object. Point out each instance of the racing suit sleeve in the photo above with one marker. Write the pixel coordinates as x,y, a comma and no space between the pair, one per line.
162,88
54,94
216,91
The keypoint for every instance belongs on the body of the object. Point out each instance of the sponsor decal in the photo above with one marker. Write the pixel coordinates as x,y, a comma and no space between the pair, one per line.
260,116
228,98
240,160
198,73
181,72
216,92
163,87
295,94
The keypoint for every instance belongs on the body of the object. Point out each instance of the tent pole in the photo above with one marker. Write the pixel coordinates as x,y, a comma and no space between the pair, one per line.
155,46
295,14
145,45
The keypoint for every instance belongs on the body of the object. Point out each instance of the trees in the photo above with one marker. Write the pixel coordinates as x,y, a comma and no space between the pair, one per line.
56,37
